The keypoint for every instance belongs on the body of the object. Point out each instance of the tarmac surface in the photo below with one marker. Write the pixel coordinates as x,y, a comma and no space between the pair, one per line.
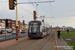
62,45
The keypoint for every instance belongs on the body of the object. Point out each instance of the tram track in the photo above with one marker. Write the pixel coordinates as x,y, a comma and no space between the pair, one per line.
15,44
56,42
45,42
20,42
30,44
22,48
27,45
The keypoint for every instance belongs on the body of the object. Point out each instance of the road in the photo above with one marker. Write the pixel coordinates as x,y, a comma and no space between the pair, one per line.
9,36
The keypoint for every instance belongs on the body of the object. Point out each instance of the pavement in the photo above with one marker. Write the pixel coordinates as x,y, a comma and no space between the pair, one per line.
62,45
5,43
68,39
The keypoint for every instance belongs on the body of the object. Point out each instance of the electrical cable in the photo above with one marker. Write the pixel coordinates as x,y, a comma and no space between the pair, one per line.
26,10
34,6
51,9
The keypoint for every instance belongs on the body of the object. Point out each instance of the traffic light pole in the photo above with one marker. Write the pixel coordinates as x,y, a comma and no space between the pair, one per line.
6,26
16,22
5,29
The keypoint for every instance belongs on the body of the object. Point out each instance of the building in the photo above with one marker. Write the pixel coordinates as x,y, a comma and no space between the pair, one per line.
2,24
63,28
12,24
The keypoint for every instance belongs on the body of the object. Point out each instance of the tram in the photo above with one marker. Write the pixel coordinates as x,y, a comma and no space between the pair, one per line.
35,29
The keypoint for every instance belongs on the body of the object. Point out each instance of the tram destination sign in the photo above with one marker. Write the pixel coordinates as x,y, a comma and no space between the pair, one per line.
34,23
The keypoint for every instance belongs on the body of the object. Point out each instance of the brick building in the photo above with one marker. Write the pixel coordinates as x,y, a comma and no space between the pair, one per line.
2,24
12,24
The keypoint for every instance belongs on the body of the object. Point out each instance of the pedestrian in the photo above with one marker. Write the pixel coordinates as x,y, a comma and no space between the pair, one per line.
58,33
67,30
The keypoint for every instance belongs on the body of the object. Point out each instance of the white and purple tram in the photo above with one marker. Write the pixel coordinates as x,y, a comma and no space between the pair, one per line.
35,29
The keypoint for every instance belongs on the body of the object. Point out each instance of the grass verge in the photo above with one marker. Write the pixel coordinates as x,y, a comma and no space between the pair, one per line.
71,34
72,44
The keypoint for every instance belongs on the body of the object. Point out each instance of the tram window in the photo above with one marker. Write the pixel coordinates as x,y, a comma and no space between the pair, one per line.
34,28
30,29
40,28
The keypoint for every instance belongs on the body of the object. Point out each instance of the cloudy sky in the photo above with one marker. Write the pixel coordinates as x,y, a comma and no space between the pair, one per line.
63,11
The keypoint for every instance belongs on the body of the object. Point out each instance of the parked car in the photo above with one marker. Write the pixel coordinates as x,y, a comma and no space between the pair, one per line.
23,31
4,31
9,31
14,32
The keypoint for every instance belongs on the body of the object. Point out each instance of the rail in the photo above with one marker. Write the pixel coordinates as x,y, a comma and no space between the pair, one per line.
45,42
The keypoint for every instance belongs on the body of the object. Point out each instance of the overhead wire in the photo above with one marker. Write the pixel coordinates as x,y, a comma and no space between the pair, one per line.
26,10
51,10
34,6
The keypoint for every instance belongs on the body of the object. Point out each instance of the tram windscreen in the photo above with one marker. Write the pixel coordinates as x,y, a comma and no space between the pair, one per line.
34,28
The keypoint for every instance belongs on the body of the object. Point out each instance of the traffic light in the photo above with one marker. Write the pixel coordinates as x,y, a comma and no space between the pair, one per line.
23,22
34,13
42,20
6,22
11,4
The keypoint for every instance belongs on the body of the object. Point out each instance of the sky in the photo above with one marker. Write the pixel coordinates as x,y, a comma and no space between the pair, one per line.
62,11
